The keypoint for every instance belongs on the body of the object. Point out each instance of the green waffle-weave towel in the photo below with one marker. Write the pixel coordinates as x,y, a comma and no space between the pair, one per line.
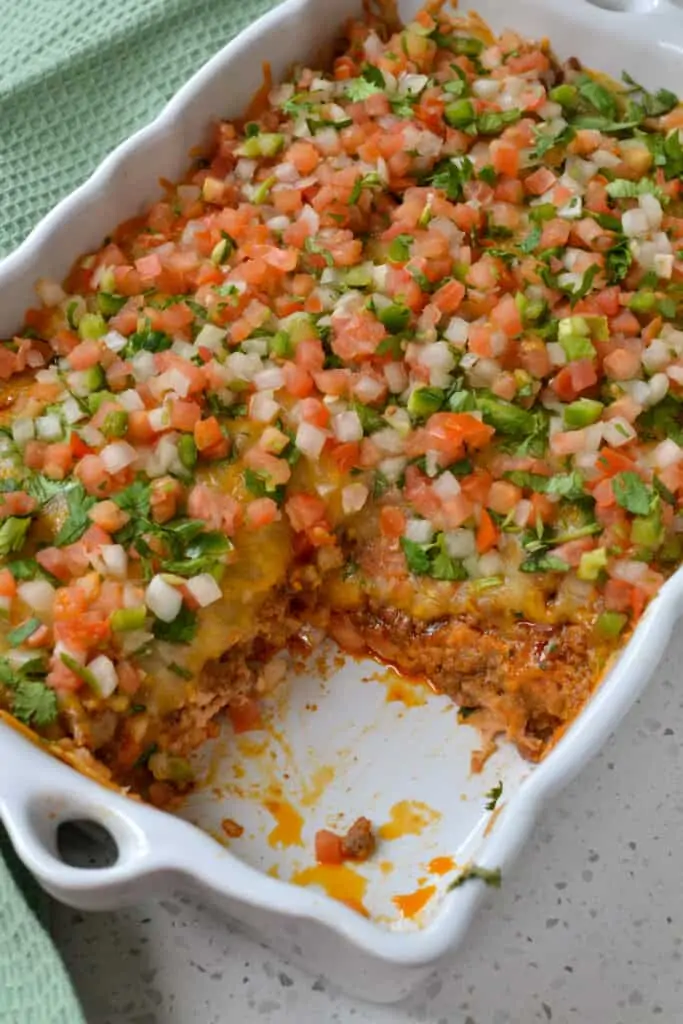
76,78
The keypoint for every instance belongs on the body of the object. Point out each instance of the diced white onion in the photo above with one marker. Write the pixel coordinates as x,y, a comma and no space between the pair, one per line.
354,497
115,341
49,292
656,356
117,456
490,564
143,365
310,440
420,531
367,389
162,599
393,468
446,486
49,428
39,595
389,441
634,223
114,559
630,571
130,400
667,453
269,379
23,430
204,589
159,418
103,672
347,426
618,432
396,377
457,331
652,209
263,408
210,337
460,543
657,388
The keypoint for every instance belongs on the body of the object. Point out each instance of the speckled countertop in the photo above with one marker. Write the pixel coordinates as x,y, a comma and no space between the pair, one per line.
587,928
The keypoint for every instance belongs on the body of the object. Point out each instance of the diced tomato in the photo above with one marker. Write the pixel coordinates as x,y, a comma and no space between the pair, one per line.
165,495
392,522
449,296
184,415
85,355
621,364
58,460
298,381
8,584
261,512
207,433
540,181
305,511
312,410
503,497
346,456
245,716
328,847
487,533
505,158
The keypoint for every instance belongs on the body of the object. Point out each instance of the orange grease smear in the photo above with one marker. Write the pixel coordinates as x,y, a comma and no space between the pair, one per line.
287,832
314,788
440,865
339,881
408,818
412,903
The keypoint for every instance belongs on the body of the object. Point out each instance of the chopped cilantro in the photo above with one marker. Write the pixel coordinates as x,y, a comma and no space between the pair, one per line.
623,188
13,534
182,630
451,176
491,877
78,504
493,796
34,703
632,494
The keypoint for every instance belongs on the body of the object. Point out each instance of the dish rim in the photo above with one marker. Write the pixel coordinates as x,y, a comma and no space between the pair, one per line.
145,834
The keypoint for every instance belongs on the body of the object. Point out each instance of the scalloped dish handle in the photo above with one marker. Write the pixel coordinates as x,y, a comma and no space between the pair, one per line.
38,795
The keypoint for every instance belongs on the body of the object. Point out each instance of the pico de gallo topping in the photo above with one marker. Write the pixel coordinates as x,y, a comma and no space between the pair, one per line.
436,289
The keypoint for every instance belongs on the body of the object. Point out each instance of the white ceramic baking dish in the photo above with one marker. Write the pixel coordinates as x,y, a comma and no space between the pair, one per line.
358,752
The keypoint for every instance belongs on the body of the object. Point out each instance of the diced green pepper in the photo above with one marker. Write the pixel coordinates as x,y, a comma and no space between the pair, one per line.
566,95
610,624
394,317
92,326
577,346
425,401
124,619
642,302
647,531
582,413
590,326
358,277
187,451
115,423
94,378
460,113
592,563
261,193
264,144
281,346
110,304
96,398
504,416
